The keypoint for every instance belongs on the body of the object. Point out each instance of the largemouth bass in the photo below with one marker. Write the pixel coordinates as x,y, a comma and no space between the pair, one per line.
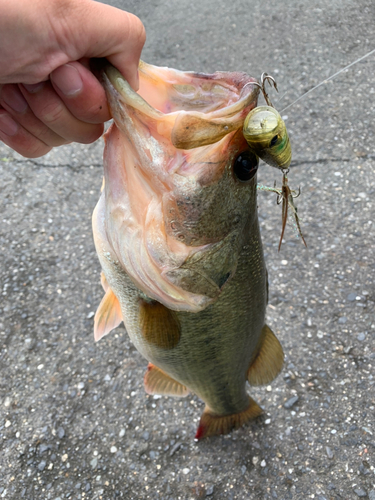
177,235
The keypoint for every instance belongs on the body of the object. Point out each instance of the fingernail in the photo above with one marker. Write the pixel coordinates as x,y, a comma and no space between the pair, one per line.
7,125
67,79
34,87
14,99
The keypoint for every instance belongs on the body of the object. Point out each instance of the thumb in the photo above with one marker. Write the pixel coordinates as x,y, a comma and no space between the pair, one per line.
116,35
126,58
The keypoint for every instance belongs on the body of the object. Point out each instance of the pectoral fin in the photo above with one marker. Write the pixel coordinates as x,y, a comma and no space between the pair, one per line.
269,360
212,425
159,326
108,316
158,382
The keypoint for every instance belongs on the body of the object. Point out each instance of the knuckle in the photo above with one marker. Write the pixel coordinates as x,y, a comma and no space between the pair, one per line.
59,141
136,29
51,113
51,139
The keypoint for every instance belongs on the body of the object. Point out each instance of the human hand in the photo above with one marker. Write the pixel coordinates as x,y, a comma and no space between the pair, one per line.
48,95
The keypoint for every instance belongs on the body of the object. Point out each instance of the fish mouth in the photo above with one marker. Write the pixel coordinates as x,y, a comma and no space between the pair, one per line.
165,156
196,109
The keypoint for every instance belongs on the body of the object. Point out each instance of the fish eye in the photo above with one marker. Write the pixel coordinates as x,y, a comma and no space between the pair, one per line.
273,141
245,165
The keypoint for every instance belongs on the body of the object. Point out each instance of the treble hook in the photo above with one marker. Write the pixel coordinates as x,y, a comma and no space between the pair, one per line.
286,197
262,85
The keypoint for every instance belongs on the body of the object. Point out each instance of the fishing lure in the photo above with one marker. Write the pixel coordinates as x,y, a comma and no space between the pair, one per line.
267,137
265,131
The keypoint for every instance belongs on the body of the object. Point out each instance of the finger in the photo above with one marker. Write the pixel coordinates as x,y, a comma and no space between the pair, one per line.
81,92
51,110
121,44
12,100
19,139
126,58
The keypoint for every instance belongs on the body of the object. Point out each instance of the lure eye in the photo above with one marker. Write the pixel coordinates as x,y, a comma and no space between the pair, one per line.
273,141
245,166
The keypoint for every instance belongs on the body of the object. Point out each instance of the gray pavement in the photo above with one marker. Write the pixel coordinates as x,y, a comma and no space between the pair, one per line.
75,421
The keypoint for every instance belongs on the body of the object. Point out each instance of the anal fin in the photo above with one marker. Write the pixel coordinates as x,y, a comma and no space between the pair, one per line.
269,360
108,315
212,425
158,382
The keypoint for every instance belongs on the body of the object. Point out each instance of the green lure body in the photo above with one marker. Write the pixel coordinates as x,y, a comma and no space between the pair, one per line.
267,136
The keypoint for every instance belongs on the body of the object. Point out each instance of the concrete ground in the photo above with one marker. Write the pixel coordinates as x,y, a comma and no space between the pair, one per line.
75,421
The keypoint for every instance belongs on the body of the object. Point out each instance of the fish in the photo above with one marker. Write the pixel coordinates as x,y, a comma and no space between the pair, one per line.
177,236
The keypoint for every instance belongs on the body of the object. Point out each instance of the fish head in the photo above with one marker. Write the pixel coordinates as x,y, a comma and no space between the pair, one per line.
179,181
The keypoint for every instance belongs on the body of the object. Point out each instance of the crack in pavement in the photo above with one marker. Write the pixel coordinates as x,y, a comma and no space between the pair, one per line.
301,161
46,165
295,163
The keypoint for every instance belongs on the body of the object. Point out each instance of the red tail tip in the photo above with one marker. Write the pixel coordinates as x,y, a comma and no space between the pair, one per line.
201,431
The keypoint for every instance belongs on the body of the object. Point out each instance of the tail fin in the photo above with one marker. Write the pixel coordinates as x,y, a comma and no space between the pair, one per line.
211,425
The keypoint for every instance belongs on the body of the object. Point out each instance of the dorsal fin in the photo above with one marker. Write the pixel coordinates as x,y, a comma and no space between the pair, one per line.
108,315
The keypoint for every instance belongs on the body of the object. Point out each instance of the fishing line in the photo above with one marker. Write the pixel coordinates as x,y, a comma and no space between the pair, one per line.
282,97
330,78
